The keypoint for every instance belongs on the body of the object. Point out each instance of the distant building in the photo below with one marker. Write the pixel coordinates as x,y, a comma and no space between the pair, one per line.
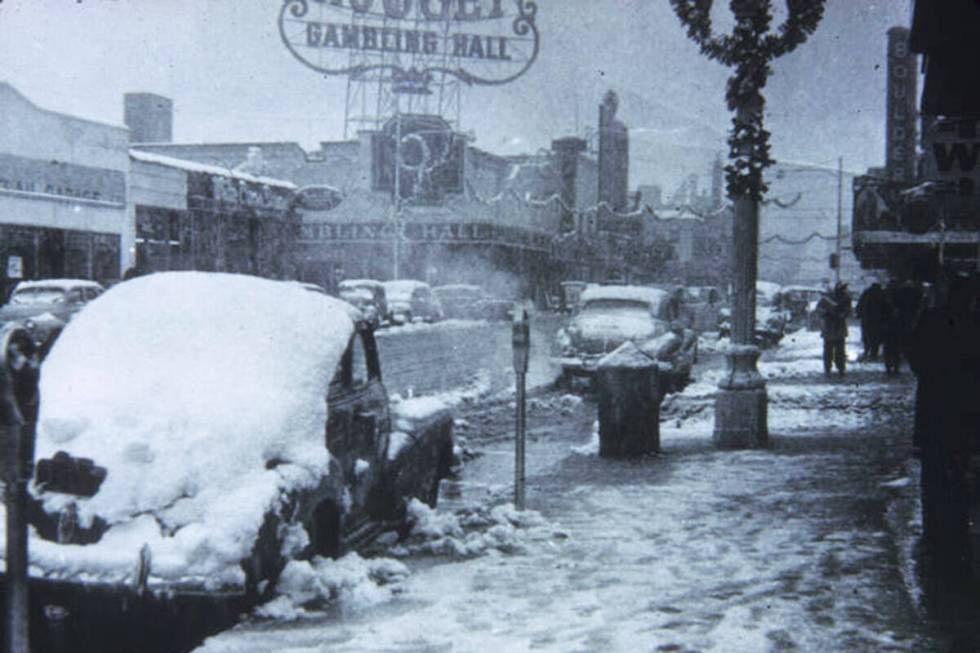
798,225
518,224
614,162
63,195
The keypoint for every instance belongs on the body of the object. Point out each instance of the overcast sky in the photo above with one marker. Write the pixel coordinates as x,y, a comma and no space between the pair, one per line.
231,78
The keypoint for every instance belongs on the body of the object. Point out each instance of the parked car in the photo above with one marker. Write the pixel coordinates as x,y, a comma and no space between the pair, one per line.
378,294
45,306
799,303
178,480
571,295
471,302
770,317
364,300
701,306
460,301
613,315
410,300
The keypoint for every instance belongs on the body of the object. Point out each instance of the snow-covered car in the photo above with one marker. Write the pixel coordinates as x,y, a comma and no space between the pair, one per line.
410,300
471,302
45,306
612,315
770,317
377,290
701,307
797,302
362,299
225,425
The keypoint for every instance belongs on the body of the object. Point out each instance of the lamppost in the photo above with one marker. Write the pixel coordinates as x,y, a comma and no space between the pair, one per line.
741,405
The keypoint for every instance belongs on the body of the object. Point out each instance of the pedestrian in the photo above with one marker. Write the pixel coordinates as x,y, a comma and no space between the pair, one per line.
891,336
833,308
871,309
945,356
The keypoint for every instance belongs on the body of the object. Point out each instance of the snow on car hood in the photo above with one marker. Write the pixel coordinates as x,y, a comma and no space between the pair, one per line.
203,395
613,328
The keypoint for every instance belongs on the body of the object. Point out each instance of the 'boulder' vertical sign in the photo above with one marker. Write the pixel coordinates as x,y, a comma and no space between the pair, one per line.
900,141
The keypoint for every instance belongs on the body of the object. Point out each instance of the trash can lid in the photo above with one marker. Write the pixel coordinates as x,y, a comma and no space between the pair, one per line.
627,355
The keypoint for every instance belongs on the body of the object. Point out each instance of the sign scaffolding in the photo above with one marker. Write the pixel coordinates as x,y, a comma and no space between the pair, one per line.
422,49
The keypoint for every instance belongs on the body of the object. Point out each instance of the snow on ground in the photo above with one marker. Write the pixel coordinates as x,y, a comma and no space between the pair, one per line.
173,383
778,549
417,327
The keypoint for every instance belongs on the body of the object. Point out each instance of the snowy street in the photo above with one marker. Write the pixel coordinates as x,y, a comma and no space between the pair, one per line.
802,546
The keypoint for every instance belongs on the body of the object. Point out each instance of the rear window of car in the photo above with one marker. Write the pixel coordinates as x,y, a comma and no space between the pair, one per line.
615,305
38,295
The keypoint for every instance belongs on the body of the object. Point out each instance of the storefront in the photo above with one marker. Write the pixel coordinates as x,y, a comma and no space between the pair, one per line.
63,203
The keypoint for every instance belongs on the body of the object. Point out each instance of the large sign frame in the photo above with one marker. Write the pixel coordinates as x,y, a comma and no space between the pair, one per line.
484,42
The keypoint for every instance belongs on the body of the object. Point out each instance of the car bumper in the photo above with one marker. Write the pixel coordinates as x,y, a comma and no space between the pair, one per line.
71,616
587,365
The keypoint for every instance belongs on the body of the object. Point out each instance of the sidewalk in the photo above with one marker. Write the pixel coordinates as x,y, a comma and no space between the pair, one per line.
783,549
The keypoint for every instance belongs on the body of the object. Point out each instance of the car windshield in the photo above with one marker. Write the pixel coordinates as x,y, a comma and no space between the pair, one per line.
457,294
38,295
356,295
615,305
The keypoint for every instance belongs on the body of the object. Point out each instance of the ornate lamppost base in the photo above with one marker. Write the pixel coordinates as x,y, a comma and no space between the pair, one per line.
741,403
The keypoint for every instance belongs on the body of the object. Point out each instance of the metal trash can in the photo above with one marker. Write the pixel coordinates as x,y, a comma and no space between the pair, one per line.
629,399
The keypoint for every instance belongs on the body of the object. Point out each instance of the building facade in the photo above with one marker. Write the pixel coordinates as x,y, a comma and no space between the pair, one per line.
64,209
193,216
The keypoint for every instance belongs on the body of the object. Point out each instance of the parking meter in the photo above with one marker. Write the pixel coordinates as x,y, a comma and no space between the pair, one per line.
521,332
18,417
522,347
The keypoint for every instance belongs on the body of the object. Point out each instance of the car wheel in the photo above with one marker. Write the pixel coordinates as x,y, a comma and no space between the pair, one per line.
564,381
324,530
265,563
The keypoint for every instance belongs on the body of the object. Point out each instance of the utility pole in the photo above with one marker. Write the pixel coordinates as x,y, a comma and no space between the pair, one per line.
840,215
397,204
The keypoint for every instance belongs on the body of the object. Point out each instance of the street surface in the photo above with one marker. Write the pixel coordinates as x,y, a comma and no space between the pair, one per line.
805,546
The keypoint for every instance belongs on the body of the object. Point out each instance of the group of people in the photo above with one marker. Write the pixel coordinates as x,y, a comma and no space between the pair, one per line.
887,316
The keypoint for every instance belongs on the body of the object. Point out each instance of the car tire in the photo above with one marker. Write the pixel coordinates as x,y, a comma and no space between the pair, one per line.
265,562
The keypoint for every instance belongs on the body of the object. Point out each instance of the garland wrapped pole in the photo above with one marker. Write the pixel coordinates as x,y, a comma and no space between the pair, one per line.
741,408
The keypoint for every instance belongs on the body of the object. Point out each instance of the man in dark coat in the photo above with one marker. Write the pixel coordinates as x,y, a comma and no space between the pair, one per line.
872,309
945,357
833,308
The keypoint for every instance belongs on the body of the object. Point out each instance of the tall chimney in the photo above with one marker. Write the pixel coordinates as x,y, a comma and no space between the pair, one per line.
150,117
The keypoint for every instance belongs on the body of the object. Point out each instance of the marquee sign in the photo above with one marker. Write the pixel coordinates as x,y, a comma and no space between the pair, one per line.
419,232
477,41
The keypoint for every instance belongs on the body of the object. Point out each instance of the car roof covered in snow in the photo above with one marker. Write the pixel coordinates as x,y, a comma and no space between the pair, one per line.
403,287
360,283
62,284
652,296
204,396
457,288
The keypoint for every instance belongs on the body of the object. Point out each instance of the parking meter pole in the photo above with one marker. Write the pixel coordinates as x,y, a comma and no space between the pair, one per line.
522,345
18,414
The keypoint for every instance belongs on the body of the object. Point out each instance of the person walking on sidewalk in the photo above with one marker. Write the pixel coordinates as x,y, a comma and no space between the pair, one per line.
872,309
834,307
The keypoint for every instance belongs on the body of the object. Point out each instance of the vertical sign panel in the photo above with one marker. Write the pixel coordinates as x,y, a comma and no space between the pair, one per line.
900,141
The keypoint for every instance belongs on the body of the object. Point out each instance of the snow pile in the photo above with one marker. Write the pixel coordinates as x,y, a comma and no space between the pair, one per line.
406,411
444,325
203,395
352,583
591,448
471,531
